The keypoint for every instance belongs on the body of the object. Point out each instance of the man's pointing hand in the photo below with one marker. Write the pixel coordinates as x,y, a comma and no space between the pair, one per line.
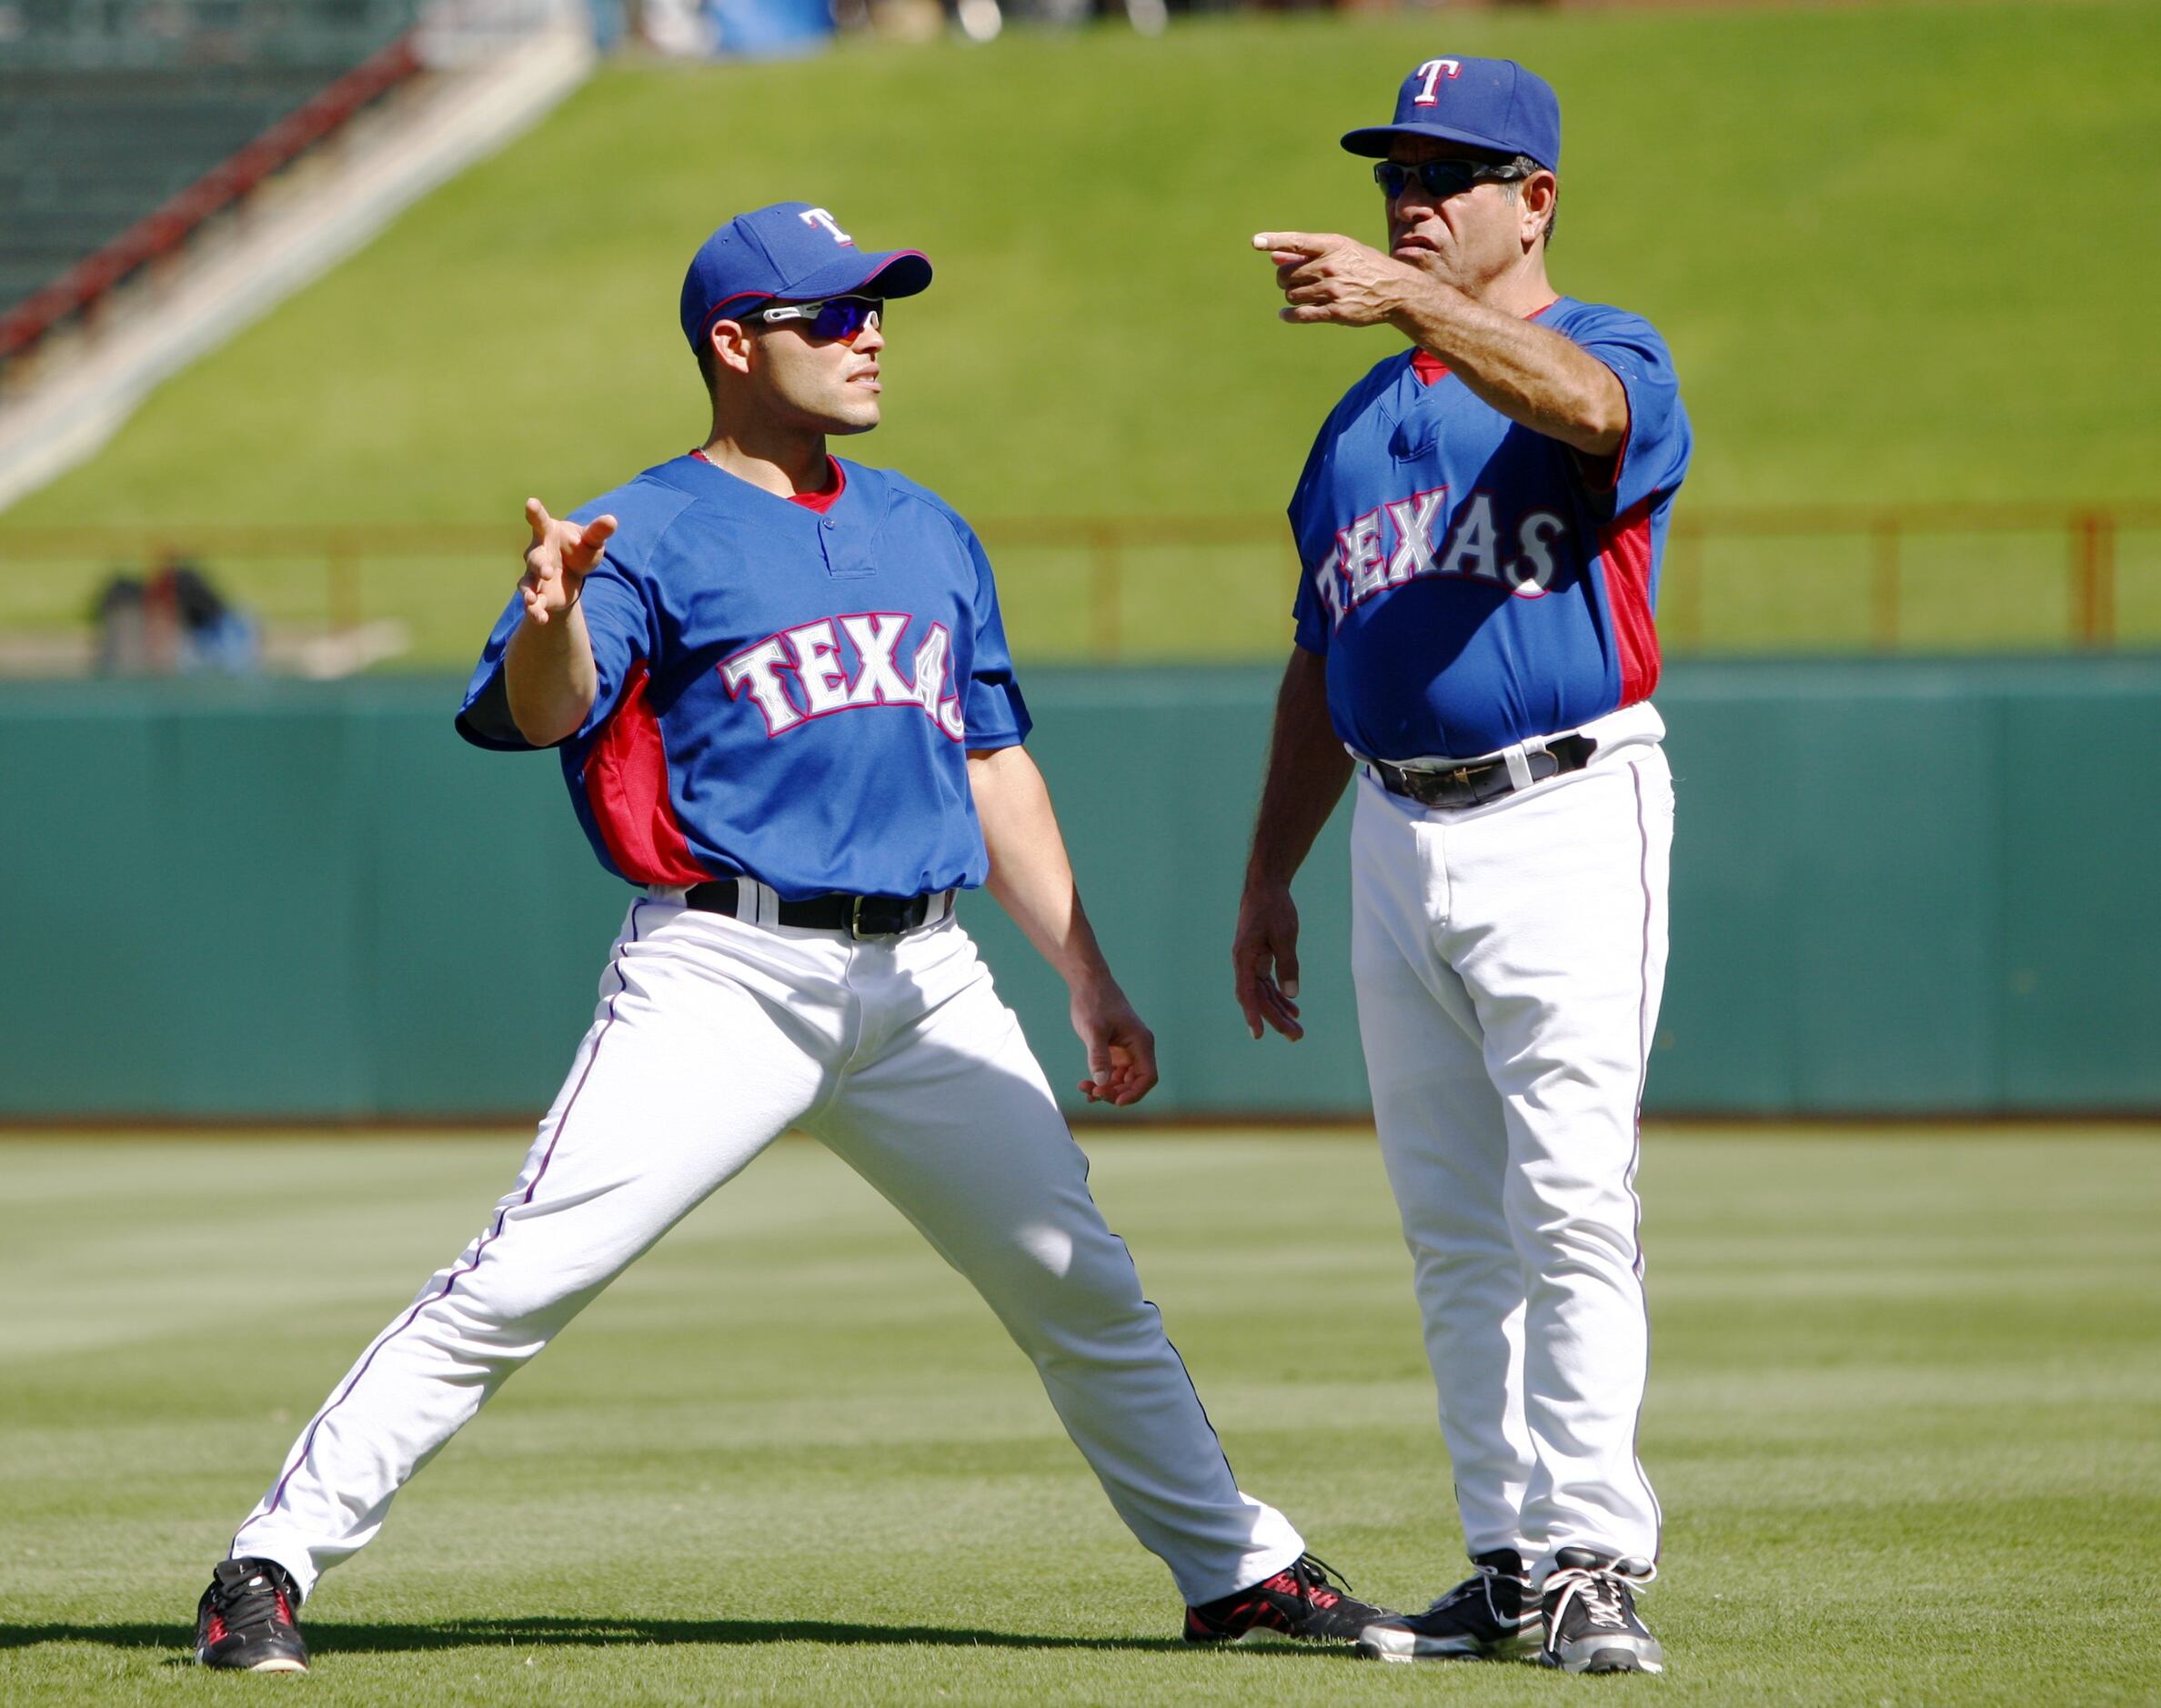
559,560
1329,279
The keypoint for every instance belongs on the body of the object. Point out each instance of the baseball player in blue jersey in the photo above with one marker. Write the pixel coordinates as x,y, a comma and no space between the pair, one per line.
787,718
1480,525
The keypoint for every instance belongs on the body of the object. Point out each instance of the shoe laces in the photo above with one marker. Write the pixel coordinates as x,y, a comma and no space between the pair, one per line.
1319,1583
259,1599
1481,1585
1599,1591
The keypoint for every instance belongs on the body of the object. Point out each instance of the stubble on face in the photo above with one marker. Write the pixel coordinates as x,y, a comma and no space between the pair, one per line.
1467,240
822,384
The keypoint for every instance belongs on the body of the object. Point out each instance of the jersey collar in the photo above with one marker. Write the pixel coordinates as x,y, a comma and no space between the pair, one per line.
700,475
819,502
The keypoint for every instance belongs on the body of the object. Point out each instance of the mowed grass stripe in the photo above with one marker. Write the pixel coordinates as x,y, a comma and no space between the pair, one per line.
790,1458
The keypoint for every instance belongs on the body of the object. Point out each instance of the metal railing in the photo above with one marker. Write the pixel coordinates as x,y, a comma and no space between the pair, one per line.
2086,553
2060,575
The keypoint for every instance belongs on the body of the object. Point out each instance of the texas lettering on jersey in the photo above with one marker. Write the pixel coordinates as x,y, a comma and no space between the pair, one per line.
1474,583
1403,538
732,630
828,677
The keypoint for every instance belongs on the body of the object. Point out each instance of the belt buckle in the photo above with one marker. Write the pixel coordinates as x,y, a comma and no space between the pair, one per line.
855,920
1447,788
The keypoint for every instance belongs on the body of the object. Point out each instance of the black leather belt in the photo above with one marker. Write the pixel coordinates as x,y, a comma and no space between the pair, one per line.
858,916
1474,785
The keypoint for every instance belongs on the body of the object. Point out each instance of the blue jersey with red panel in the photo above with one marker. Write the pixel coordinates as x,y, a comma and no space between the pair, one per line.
1476,584
787,693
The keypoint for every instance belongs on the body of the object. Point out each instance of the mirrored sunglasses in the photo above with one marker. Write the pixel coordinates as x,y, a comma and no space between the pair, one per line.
838,317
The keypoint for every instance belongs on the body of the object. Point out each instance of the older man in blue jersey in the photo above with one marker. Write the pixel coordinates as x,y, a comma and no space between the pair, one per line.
1480,525
788,720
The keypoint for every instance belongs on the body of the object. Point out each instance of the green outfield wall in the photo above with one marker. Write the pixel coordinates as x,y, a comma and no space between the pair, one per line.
1898,886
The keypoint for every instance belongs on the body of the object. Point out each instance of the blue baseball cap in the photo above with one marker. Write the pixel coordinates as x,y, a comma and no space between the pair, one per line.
1493,104
789,252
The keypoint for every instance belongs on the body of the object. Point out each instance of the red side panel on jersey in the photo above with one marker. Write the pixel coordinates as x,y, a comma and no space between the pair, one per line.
1624,562
626,783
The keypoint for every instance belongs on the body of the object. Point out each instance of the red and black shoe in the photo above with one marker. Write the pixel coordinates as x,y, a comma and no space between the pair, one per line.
1306,1600
245,1620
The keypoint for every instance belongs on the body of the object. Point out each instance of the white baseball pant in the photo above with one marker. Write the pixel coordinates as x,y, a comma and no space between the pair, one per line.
712,1038
1508,960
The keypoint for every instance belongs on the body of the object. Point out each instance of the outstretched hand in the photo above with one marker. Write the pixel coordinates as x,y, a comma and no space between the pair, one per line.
1328,279
559,560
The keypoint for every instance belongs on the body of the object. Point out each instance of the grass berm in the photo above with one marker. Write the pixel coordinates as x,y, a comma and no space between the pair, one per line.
1896,250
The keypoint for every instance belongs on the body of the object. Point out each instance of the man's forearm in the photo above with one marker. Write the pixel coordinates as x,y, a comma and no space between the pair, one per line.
1549,383
1031,877
549,677
1306,769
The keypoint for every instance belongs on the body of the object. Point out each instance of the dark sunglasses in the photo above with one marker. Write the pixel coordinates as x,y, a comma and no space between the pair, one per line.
838,317
1443,178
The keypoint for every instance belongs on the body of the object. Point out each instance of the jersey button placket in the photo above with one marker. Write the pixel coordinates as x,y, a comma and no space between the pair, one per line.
846,550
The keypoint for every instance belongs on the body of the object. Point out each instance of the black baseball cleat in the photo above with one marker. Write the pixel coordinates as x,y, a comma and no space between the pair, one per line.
245,1620
1301,1600
1591,1623
1494,1616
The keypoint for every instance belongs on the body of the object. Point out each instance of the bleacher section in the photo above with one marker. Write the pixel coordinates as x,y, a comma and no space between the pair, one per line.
108,108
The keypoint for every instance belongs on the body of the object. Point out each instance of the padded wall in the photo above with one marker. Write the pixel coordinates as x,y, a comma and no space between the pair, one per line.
1898,886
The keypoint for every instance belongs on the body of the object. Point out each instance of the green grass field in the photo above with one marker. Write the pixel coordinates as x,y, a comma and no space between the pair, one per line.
1902,1421
1896,248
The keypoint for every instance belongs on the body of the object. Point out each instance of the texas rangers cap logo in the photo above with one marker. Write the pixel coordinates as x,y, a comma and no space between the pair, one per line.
1494,104
793,252
1432,71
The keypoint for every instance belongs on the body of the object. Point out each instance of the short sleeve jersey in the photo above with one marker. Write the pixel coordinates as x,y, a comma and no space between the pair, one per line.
1476,584
785,693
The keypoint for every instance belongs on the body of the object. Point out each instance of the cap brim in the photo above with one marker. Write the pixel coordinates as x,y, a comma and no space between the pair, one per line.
889,272
1374,141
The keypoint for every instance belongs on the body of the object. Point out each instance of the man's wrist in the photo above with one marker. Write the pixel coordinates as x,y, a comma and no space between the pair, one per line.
1090,983
558,626
1423,312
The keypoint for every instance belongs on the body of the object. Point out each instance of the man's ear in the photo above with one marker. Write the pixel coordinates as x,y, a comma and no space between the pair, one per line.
1535,201
731,341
